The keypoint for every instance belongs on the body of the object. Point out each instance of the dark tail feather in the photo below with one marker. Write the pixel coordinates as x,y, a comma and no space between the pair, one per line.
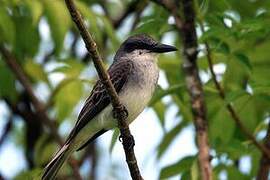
54,166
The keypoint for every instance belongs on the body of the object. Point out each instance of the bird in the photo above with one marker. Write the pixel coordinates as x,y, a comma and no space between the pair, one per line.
134,74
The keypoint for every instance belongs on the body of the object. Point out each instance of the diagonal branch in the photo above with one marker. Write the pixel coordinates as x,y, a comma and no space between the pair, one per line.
6,130
171,7
39,106
186,29
229,106
118,108
132,7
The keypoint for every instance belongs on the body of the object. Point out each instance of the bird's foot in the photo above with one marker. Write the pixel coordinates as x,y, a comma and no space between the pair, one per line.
120,112
128,142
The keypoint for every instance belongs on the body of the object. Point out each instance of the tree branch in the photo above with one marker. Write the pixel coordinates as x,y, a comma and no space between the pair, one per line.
130,9
138,14
229,106
6,130
39,106
118,108
186,28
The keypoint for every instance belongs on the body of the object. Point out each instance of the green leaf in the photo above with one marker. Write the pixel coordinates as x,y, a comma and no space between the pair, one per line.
234,173
255,162
44,149
92,19
235,77
235,150
154,27
242,58
115,135
66,99
179,167
160,108
160,93
59,21
7,28
71,68
186,175
35,71
221,120
34,174
234,95
169,137
261,88
195,172
7,82
27,37
245,107
36,10
110,32
219,45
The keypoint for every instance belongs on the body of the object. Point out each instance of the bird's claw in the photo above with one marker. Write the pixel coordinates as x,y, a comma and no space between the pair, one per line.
120,138
120,112
129,141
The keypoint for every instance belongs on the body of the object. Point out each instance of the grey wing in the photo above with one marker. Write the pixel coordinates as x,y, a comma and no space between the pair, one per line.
99,98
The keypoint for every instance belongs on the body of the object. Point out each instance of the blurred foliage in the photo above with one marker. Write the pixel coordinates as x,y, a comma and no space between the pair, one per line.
42,37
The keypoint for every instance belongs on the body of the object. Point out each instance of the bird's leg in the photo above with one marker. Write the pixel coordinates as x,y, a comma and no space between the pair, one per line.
128,141
120,112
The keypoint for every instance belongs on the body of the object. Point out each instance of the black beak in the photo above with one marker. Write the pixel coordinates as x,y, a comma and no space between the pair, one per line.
163,48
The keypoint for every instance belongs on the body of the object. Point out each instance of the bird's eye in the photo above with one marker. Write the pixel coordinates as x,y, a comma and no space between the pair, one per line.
140,52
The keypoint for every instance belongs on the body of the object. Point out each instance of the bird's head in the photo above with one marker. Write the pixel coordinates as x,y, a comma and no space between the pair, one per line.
142,46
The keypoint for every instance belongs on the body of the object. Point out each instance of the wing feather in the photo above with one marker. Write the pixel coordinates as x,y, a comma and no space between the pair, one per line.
99,98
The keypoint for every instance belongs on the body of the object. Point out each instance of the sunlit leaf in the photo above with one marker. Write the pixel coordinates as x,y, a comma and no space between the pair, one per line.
92,19
34,174
234,95
160,93
169,137
243,59
160,108
27,37
195,170
71,68
179,167
7,82
36,10
35,71
221,120
67,98
114,139
59,21
7,28
44,149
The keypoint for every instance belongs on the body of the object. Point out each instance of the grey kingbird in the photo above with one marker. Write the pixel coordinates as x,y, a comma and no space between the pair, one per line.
134,74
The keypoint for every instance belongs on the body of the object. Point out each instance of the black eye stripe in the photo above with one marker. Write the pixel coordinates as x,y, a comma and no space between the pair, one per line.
140,41
130,46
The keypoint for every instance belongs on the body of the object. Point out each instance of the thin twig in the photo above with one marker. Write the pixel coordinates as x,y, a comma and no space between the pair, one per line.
129,10
229,106
6,130
138,14
171,7
39,106
186,29
118,108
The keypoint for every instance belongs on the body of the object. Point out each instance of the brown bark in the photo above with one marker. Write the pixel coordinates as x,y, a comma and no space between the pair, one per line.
186,28
119,109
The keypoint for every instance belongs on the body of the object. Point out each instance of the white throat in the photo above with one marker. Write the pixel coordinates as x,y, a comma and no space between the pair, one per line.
142,55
